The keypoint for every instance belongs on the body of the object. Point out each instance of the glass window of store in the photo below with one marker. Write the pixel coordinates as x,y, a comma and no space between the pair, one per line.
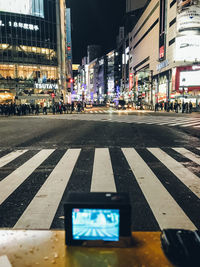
28,32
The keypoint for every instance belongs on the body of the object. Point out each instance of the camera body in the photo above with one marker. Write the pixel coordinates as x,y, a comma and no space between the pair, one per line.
97,219
182,247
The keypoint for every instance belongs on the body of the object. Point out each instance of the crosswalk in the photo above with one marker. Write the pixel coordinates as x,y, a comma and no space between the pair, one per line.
163,183
126,117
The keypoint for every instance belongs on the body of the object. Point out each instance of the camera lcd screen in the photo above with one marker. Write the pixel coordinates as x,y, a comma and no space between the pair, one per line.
95,224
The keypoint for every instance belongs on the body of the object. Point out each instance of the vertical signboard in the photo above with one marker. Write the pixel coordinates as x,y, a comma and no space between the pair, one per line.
68,34
130,81
162,30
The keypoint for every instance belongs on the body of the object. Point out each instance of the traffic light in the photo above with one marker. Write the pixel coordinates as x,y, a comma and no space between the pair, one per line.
70,80
53,95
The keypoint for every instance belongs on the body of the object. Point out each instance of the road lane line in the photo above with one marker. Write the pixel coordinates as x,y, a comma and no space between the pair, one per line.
11,156
42,209
183,122
171,122
188,154
13,180
102,176
190,124
165,209
196,126
182,173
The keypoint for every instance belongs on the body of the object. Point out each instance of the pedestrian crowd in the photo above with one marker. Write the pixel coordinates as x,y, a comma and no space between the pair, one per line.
30,109
174,106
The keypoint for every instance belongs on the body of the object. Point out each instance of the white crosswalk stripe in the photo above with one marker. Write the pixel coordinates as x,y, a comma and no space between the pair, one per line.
102,177
12,181
188,154
166,210
182,173
96,115
10,157
41,210
190,124
184,122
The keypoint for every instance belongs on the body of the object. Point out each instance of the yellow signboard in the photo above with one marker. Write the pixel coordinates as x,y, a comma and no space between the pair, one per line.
75,66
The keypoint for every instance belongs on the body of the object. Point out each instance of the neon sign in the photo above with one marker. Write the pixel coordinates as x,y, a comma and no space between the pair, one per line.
25,26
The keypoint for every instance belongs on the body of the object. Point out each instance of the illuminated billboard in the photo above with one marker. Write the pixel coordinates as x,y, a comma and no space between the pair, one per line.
187,48
188,15
25,7
190,78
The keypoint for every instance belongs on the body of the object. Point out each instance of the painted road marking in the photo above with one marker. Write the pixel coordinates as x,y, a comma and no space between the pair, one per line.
12,181
11,156
184,122
165,209
191,124
102,176
182,173
188,154
41,211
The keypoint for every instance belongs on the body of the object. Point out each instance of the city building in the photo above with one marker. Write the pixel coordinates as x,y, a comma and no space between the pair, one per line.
32,50
134,10
164,53
99,80
93,51
132,5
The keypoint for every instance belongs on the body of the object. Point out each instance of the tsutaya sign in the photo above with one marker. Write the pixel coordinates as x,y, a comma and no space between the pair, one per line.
50,86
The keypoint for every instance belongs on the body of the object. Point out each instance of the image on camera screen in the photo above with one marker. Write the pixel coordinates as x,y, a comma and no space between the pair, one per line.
95,224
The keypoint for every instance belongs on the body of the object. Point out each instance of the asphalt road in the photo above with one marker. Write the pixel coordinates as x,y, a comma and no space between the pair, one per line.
158,165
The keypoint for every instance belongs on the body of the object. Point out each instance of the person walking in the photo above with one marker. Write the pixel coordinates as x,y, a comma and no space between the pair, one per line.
37,109
72,107
176,107
156,107
190,107
79,107
45,108
54,109
183,107
187,107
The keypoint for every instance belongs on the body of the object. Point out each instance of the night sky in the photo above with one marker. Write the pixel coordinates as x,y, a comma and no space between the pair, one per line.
95,22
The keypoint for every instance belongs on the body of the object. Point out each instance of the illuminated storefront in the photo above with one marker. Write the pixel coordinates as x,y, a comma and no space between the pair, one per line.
165,43
187,75
187,84
30,59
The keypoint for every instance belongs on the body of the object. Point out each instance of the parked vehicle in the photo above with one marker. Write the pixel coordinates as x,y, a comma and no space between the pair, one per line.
89,105
121,104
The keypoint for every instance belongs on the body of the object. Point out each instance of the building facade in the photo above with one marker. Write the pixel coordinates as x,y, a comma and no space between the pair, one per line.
164,53
132,5
32,49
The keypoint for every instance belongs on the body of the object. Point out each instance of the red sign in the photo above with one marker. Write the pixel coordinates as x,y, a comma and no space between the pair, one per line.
162,52
130,81
52,95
